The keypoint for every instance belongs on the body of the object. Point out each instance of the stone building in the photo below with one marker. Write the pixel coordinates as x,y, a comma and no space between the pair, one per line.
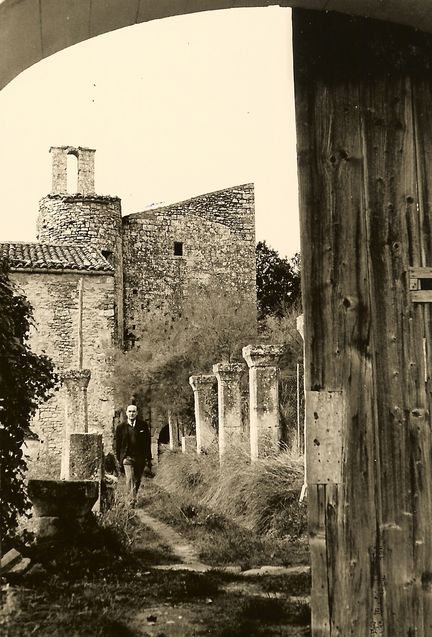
92,276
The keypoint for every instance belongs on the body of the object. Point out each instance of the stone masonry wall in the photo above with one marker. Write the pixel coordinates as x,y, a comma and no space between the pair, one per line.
54,298
92,220
217,236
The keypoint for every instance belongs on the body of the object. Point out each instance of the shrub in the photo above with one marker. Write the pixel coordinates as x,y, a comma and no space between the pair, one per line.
26,380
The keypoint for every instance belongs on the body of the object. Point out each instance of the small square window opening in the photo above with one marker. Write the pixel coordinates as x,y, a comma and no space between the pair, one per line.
178,248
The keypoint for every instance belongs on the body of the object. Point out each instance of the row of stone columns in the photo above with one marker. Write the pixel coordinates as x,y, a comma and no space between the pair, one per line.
264,428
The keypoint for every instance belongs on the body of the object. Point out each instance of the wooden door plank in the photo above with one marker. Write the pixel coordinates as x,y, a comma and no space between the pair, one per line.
364,222
336,305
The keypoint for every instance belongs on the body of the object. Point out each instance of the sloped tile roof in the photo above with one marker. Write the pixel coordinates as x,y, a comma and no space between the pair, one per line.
48,256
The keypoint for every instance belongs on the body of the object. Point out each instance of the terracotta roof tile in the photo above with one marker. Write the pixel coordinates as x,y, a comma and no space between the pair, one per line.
47,256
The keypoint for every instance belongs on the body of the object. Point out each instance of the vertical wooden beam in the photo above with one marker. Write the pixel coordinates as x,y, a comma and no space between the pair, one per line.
363,93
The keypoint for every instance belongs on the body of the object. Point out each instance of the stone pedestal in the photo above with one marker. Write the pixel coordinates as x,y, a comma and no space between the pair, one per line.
264,398
205,397
83,459
84,454
229,404
62,507
188,443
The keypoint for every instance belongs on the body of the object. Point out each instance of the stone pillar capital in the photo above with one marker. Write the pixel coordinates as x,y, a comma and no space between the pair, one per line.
262,355
199,380
228,370
79,378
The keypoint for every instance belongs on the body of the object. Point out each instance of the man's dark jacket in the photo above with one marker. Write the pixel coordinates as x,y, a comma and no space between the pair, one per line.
134,442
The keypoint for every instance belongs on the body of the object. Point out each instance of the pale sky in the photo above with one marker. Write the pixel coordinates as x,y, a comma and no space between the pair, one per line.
175,108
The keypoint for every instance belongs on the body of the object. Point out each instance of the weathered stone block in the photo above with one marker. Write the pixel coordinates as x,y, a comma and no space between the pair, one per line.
85,455
63,498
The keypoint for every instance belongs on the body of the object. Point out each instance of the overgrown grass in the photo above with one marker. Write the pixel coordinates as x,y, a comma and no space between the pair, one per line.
262,496
242,514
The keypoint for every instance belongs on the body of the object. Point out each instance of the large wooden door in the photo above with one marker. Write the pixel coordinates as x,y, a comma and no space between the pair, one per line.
364,128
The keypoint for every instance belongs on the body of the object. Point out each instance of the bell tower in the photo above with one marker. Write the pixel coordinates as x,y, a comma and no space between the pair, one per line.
85,165
83,217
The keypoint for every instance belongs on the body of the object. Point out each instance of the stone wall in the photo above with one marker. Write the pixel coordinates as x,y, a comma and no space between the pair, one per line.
166,249
55,301
91,220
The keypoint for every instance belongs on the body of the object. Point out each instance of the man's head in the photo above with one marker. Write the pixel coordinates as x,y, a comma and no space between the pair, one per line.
131,413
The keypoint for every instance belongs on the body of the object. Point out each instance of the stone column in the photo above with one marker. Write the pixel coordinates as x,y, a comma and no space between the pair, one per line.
205,396
264,398
76,417
82,453
229,403
154,447
173,432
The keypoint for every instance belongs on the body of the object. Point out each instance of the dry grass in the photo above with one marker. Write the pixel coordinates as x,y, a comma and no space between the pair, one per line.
262,496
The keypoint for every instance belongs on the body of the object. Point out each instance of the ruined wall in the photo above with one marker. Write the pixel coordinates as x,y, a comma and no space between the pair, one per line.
91,220
215,234
54,298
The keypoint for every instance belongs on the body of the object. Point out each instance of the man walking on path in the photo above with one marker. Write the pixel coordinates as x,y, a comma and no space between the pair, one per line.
133,449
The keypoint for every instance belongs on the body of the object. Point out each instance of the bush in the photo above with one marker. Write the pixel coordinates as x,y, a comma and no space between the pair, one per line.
26,380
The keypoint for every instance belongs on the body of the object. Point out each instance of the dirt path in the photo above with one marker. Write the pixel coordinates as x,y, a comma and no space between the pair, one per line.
189,559
270,600
185,552
97,593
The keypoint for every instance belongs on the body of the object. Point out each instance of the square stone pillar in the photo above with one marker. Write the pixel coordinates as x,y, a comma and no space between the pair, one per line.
264,398
205,398
229,403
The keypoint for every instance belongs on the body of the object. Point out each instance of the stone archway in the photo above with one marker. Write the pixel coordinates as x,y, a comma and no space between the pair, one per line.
163,441
31,30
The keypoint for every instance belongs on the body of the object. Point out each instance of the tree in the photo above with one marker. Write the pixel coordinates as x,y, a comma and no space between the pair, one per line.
213,326
278,281
26,379
279,305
